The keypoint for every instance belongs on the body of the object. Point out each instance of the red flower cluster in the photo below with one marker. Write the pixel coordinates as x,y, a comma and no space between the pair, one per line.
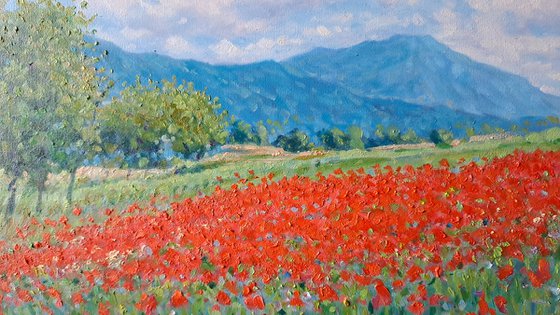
407,221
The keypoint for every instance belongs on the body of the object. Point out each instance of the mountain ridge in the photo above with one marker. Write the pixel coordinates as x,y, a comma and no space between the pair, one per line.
312,91
417,56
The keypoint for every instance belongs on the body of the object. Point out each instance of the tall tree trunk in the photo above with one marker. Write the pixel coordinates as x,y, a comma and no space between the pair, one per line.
40,192
70,192
12,199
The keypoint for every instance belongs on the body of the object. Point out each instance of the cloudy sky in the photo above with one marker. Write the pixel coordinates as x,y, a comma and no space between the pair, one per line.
520,36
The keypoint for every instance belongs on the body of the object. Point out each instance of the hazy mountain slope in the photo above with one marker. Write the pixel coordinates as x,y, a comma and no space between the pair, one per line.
420,70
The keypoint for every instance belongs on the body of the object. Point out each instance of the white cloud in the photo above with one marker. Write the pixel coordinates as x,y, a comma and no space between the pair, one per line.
176,46
418,20
264,48
489,36
323,31
449,22
555,76
134,34
550,90
226,50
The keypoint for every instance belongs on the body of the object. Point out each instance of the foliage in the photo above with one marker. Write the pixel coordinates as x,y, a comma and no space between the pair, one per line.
335,139
392,135
356,135
49,89
295,141
441,137
262,134
146,118
243,133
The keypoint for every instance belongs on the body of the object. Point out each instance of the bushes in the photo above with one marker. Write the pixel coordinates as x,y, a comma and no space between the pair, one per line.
294,141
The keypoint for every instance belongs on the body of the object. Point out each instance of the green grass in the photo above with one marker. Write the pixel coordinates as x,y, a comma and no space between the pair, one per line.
200,177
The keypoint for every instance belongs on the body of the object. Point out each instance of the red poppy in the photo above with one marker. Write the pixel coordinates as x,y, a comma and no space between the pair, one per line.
296,300
416,308
178,299
327,293
147,304
383,297
505,272
501,303
77,212
255,302
223,298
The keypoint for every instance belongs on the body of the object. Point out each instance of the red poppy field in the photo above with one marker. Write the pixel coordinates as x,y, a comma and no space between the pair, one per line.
473,238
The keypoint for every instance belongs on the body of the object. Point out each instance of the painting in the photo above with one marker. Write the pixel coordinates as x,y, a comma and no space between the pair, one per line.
279,157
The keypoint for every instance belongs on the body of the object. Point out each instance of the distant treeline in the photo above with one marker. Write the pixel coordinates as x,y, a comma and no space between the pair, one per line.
354,137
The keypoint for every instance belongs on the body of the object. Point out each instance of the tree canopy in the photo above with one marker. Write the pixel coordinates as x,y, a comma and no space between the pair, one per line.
146,117
49,89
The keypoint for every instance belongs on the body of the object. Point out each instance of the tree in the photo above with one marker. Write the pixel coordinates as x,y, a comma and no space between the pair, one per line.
48,89
335,139
356,135
242,133
147,116
294,141
441,138
262,134
410,137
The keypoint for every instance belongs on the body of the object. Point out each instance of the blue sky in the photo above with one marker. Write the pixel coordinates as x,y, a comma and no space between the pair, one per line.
520,36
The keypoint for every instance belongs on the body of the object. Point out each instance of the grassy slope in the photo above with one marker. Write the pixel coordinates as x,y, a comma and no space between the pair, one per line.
93,196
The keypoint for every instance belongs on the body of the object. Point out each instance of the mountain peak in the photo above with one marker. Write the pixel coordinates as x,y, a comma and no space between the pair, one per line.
421,70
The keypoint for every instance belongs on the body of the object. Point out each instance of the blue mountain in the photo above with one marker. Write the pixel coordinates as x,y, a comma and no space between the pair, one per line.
420,70
407,82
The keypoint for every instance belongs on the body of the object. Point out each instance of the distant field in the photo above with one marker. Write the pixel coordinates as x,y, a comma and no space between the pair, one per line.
98,188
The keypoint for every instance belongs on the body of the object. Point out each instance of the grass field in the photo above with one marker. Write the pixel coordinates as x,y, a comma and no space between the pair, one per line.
201,177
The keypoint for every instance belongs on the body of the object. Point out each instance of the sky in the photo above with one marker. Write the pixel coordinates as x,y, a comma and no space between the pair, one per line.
519,36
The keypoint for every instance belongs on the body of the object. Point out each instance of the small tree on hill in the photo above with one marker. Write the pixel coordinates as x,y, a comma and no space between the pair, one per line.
441,137
335,139
262,134
242,133
294,141
356,135
410,137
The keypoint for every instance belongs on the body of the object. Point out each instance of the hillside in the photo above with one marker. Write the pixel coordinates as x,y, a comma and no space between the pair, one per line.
420,70
408,82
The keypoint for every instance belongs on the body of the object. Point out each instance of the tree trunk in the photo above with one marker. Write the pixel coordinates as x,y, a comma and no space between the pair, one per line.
12,199
40,192
70,192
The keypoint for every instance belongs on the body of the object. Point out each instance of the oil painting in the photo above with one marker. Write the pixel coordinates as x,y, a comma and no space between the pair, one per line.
279,157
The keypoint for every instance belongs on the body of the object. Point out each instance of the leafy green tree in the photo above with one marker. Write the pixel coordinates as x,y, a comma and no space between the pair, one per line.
294,141
410,137
243,133
441,137
356,135
262,134
335,139
48,89
553,120
394,135
147,116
